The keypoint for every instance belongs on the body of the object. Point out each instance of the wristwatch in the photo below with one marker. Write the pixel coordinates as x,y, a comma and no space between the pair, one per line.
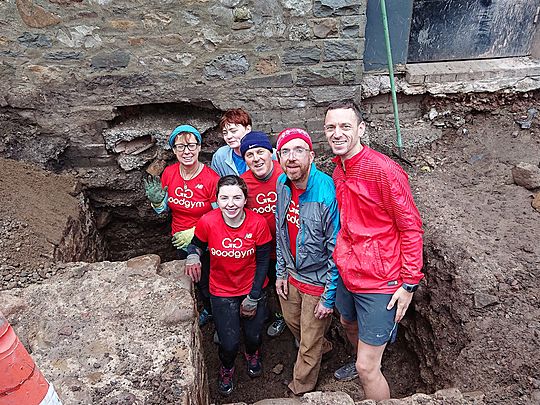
410,287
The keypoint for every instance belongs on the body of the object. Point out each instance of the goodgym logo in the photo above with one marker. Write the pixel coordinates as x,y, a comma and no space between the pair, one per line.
262,198
267,202
232,249
229,243
186,193
183,197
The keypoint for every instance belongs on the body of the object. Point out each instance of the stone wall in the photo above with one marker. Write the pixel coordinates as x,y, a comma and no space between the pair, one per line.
68,65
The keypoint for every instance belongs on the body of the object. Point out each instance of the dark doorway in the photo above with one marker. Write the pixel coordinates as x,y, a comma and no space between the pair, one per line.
471,29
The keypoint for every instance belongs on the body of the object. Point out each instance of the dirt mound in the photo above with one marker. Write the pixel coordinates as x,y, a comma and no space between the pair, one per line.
35,206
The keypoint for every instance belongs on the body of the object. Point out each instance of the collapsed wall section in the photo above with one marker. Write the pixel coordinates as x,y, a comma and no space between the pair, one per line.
110,333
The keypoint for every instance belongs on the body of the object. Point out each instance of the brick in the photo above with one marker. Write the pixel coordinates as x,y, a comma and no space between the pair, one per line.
415,78
279,80
325,27
301,55
319,76
327,8
341,49
315,127
327,94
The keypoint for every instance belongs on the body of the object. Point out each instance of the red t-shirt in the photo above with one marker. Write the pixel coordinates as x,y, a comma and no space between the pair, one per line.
293,217
293,225
262,199
232,251
189,200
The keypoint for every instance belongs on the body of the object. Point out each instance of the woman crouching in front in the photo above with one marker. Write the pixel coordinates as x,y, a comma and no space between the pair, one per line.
238,240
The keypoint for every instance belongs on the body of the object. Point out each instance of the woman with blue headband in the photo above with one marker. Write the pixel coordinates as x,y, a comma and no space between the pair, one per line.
187,189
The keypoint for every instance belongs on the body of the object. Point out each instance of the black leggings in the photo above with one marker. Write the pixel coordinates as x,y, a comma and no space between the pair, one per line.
202,285
227,320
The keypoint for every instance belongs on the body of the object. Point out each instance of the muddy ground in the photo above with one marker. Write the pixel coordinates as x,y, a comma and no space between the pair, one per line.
468,200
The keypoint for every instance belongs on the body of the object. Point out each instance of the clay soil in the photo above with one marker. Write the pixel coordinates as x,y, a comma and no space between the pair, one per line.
464,189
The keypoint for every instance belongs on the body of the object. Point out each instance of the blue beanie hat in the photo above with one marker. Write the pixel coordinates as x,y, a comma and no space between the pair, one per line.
255,139
184,128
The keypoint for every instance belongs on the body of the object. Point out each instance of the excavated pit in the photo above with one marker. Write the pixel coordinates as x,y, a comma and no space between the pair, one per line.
135,145
478,295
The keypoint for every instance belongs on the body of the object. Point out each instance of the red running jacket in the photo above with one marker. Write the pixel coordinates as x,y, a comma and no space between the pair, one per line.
379,246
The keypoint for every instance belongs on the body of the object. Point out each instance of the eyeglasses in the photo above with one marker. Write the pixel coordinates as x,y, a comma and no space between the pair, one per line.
288,153
330,129
180,147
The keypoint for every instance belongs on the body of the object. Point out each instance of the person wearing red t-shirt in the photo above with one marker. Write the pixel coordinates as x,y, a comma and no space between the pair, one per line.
261,181
238,240
187,189
307,223
379,246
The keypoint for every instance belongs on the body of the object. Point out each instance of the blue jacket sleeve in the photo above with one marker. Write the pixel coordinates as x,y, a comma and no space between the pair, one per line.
281,270
331,219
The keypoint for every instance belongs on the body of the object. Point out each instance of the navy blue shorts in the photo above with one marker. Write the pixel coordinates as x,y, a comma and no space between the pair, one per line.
376,324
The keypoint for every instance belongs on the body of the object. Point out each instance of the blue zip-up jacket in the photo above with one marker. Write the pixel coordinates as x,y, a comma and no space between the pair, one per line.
319,226
223,163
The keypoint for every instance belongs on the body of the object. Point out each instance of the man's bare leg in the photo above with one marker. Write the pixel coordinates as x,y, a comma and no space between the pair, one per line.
351,331
368,365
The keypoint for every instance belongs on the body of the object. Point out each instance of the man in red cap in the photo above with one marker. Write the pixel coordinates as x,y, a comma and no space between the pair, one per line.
307,223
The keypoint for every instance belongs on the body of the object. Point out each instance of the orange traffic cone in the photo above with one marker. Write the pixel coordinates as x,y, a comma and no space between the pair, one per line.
21,383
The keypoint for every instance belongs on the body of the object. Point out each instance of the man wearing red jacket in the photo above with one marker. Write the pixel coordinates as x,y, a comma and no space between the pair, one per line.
378,250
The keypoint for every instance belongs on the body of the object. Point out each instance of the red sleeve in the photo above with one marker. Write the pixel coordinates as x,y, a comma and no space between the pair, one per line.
399,203
213,186
263,232
201,229
165,177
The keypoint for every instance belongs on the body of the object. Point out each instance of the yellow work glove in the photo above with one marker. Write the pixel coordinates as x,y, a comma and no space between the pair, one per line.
182,239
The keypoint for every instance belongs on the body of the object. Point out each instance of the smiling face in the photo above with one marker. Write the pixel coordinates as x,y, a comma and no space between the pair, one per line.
259,161
343,130
233,134
295,160
231,201
187,157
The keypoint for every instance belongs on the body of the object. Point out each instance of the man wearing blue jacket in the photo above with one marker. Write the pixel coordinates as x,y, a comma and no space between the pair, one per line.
307,223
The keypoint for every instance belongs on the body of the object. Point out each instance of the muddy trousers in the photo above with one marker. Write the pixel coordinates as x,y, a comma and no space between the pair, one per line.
203,285
228,323
309,331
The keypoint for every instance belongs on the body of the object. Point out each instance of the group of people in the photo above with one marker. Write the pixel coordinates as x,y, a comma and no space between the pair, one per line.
262,219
